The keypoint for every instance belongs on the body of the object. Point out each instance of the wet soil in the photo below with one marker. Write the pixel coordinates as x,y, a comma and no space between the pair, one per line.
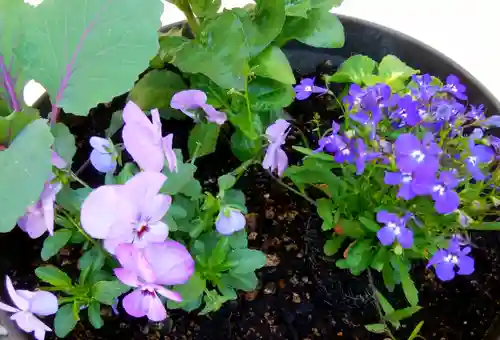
301,294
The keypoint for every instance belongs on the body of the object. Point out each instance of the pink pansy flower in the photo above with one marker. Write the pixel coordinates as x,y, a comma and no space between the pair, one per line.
190,102
128,213
28,304
39,217
144,142
148,269
275,158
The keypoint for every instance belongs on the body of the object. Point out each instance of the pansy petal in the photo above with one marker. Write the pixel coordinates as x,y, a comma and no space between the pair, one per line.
188,100
144,146
171,262
100,144
43,303
156,207
158,232
142,189
126,254
133,115
19,301
213,115
103,162
169,294
156,311
226,225
8,308
167,142
127,277
33,223
134,303
111,244
386,236
445,271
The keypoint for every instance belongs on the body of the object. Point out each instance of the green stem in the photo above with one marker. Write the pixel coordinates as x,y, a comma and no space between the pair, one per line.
303,137
191,19
377,305
247,100
243,167
76,178
304,196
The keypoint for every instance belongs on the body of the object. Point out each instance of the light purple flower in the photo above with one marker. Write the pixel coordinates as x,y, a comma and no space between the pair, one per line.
475,113
445,198
414,155
275,158
103,156
148,270
306,88
394,229
363,155
39,217
128,213
28,304
144,142
478,155
229,221
190,102
451,261
331,142
454,87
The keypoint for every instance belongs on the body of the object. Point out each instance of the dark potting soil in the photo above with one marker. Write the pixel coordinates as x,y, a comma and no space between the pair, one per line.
301,294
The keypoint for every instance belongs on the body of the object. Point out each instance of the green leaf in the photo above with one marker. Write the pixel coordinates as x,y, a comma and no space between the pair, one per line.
128,171
177,180
73,64
267,94
64,142
485,226
320,29
239,239
219,254
354,70
395,72
53,276
351,228
205,8
115,124
203,139
272,63
94,314
26,166
213,302
416,330
54,243
95,258
107,291
235,199
325,210
402,314
246,282
409,288
156,89
65,320
356,252
244,147
15,122
325,4
226,182
72,199
388,276
309,152
246,260
333,245
297,8
211,55
369,224
191,292
377,328
170,44
380,259
386,306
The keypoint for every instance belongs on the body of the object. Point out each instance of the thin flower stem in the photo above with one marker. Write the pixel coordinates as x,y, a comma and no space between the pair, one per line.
243,167
76,178
247,100
304,196
83,167
377,305
191,19
303,137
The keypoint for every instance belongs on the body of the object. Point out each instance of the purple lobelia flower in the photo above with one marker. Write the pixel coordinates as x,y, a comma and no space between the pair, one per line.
415,155
193,102
475,112
363,155
275,158
408,182
495,144
306,88
446,200
39,217
492,121
454,87
406,113
372,98
128,213
332,142
424,91
478,155
394,229
103,156
28,304
451,261
346,151
144,142
229,221
148,270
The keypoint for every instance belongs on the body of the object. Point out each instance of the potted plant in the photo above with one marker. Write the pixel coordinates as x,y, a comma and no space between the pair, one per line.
217,181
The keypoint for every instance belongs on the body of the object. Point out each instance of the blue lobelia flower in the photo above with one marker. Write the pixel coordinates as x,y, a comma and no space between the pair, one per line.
475,112
454,87
451,261
478,155
394,229
446,200
410,183
331,142
406,113
306,88
345,151
424,90
363,155
413,155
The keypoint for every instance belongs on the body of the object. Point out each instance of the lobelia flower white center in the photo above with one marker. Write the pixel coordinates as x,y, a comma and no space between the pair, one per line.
439,189
406,178
308,88
394,227
472,160
452,258
418,155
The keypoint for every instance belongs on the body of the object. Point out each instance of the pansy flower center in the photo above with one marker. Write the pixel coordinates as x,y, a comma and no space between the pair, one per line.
142,229
148,292
418,156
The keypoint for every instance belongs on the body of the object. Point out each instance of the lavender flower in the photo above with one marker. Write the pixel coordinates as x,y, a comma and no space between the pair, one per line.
454,87
191,102
128,213
229,221
447,261
363,156
28,304
306,88
144,142
478,154
148,270
413,155
394,229
103,156
475,113
275,158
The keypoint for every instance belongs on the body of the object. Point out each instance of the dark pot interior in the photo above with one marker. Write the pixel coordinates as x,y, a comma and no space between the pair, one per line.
303,296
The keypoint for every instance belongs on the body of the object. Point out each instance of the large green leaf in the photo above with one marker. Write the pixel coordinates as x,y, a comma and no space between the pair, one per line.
191,292
325,4
273,63
26,166
204,8
65,320
54,243
395,72
246,260
64,142
107,291
297,8
87,52
355,69
156,89
203,139
320,29
53,276
211,54
267,94
244,147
